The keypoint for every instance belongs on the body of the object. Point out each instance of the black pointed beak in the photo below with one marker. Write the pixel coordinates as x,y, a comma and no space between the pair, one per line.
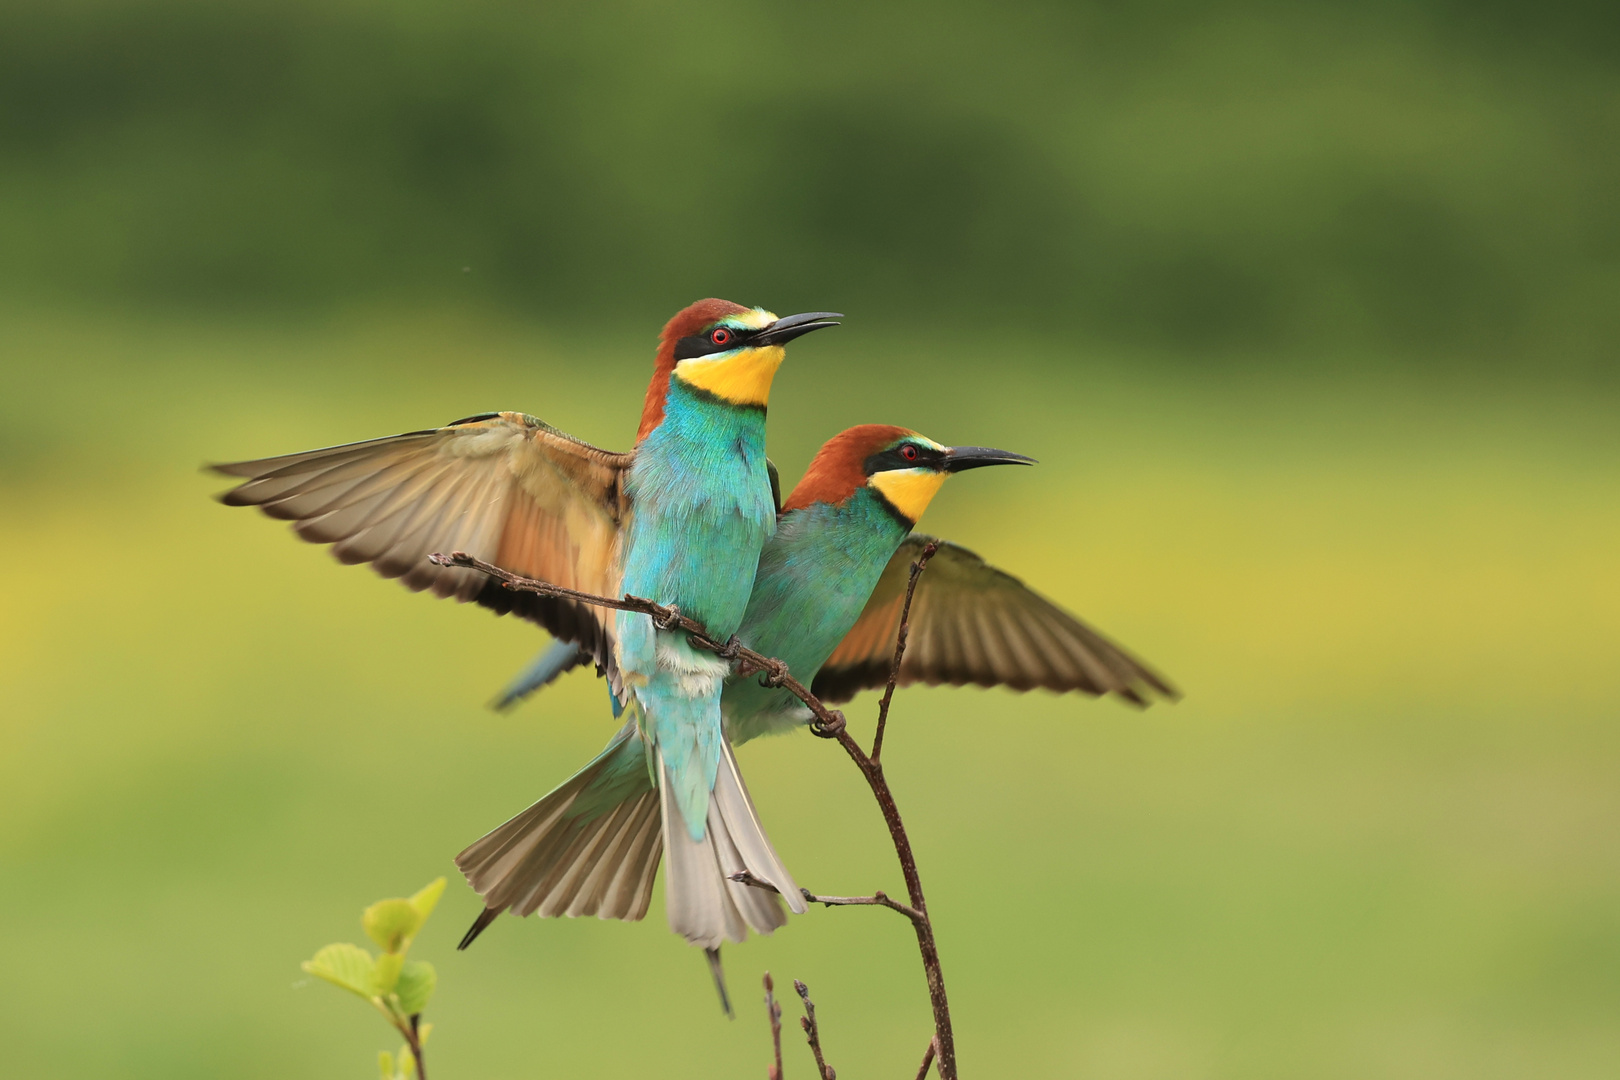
960,458
784,330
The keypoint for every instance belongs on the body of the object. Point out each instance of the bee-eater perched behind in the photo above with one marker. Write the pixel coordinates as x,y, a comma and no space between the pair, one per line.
681,520
841,548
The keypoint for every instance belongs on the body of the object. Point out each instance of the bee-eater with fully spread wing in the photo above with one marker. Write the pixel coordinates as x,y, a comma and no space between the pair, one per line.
681,520
826,601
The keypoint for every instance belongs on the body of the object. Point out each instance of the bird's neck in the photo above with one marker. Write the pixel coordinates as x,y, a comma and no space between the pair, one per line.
696,425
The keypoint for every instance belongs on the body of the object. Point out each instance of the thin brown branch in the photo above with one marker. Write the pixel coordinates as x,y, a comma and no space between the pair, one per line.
812,1032
746,877
877,899
928,1057
826,723
775,673
917,567
773,1009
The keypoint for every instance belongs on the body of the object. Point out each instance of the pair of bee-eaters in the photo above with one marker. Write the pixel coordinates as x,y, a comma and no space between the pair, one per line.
691,517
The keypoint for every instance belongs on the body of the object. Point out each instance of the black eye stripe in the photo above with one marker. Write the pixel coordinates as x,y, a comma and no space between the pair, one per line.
927,457
702,344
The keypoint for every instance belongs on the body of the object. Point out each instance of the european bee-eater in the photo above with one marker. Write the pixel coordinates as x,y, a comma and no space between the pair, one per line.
681,520
826,601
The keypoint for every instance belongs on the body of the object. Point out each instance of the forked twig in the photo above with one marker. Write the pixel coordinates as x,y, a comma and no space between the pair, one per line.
826,723
812,1032
928,1057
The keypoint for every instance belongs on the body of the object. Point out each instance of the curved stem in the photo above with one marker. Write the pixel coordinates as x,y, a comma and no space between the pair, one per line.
414,1041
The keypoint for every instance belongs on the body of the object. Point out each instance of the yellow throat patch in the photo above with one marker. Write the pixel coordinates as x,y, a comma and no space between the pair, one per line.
742,377
909,490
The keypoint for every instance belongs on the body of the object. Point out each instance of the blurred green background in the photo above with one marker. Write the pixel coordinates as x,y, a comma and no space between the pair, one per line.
1309,311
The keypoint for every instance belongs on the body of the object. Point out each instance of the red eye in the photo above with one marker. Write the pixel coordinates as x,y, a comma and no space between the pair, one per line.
908,452
720,335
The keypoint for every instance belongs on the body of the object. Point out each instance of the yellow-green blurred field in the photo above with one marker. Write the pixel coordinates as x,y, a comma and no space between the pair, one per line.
1379,838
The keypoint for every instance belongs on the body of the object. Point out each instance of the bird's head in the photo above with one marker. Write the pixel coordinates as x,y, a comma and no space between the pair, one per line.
726,350
902,468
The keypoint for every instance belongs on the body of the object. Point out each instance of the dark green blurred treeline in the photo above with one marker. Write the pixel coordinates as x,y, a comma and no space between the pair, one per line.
1427,180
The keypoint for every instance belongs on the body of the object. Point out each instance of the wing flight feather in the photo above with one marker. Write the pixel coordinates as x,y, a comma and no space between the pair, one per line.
973,623
504,487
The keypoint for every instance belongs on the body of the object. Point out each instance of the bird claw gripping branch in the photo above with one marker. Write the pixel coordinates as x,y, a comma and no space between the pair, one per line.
732,650
775,672
829,730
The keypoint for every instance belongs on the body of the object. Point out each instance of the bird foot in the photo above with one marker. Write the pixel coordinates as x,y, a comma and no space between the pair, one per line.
669,620
829,730
775,672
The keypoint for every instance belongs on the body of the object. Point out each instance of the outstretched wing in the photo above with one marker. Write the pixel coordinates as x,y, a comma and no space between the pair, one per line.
503,487
972,623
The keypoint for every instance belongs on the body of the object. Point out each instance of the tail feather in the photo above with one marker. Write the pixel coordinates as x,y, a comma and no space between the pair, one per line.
704,905
635,877
695,896
590,847
621,880
552,881
719,974
494,864
585,862
759,908
485,917
742,825
568,888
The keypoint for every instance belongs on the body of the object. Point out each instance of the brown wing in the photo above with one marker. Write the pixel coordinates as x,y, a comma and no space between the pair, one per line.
503,487
972,623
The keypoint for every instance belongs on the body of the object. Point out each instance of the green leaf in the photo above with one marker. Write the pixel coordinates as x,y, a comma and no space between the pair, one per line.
387,974
348,966
391,923
385,1064
417,981
428,898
